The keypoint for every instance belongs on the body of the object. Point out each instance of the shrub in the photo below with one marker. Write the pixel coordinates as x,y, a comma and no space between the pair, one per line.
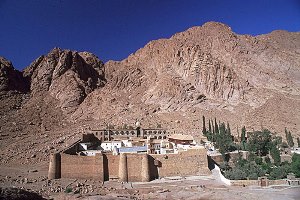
68,190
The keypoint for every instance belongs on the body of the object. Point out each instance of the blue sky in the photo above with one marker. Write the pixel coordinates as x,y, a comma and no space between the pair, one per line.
113,29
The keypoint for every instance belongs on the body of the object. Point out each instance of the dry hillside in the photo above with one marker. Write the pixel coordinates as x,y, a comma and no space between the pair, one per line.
207,70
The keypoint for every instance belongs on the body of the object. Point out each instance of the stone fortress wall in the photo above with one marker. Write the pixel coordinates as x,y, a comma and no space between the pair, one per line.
127,167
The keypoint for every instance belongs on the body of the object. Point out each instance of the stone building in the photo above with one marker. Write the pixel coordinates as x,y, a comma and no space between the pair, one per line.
127,167
115,134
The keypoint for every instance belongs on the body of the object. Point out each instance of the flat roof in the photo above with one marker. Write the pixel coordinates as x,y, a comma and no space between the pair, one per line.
181,137
132,149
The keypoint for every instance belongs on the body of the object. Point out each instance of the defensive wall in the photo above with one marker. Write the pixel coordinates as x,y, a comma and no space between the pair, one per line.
191,162
258,182
127,167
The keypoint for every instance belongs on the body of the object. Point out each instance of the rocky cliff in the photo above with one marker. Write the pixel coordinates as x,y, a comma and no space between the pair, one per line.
11,79
67,76
206,70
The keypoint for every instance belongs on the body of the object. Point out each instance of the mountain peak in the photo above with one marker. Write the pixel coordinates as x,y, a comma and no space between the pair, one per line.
10,78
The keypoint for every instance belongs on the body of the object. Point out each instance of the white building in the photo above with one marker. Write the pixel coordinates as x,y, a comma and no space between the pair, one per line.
109,146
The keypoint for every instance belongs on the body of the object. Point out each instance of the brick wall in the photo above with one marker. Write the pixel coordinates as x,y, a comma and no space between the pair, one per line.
83,167
191,162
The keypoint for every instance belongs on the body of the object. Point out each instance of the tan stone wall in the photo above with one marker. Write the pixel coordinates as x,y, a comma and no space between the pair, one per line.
256,182
83,167
191,162
113,165
134,166
244,182
105,167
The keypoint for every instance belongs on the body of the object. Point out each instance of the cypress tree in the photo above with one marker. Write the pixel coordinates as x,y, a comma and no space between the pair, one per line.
298,141
243,137
286,135
213,127
209,126
204,128
216,127
290,140
228,131
275,153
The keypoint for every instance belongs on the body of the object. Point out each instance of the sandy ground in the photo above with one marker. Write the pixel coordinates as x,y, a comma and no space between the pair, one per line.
34,178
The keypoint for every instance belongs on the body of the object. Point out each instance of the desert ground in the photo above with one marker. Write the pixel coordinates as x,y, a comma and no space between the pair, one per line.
34,179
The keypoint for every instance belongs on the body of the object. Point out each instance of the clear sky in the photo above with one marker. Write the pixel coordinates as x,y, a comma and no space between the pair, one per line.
113,29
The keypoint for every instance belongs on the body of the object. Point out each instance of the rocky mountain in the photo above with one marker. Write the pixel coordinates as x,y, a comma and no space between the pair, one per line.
11,79
206,70
67,76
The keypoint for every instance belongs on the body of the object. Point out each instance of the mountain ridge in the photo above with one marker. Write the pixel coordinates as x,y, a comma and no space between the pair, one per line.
206,70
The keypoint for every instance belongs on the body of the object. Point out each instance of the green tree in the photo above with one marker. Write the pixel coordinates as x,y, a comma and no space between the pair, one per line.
259,142
290,141
298,141
213,127
275,153
295,165
289,138
243,137
278,173
267,160
224,140
216,127
209,126
228,131
203,124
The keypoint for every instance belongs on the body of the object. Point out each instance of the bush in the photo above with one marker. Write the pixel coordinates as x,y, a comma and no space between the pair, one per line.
267,160
236,174
258,160
295,165
68,190
278,173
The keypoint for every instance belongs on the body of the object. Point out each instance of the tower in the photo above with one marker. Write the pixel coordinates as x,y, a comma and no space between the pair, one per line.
54,166
145,168
123,171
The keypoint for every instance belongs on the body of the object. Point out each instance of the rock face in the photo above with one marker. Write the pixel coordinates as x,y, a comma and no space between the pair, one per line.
68,76
214,62
207,70
11,79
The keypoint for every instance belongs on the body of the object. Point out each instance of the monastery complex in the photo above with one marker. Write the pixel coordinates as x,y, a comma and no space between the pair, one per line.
130,155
